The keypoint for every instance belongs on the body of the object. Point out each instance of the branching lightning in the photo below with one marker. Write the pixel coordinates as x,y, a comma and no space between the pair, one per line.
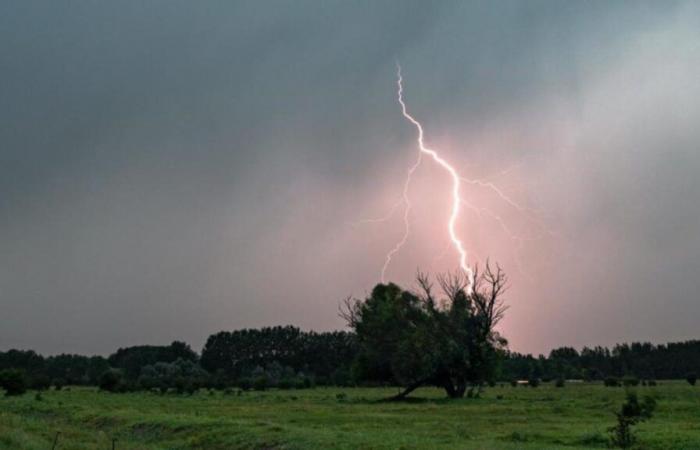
457,202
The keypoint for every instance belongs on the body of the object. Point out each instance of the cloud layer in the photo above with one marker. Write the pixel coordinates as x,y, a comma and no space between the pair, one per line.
172,169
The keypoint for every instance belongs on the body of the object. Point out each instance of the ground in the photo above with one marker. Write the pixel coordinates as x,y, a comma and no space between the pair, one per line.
576,416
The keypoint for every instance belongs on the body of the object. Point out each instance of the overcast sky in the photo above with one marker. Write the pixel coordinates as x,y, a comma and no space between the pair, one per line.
170,169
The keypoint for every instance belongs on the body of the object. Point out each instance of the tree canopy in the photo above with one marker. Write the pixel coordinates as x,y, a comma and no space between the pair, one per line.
416,339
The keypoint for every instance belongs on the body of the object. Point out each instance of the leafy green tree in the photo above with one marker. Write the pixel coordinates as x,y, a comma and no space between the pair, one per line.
415,339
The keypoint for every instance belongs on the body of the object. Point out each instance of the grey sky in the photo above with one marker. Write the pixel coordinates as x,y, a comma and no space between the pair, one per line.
171,169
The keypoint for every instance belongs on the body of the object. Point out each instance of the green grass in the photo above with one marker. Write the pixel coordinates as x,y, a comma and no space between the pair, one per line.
576,416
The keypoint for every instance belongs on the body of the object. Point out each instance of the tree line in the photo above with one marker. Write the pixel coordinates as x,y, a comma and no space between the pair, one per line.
675,360
410,338
294,357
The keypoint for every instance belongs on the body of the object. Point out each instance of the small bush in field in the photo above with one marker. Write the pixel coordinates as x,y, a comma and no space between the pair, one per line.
58,383
691,378
559,383
631,413
533,382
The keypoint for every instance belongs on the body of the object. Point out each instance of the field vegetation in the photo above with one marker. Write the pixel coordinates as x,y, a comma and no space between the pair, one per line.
579,415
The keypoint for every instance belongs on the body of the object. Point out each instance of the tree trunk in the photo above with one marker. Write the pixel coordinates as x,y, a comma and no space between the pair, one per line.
402,395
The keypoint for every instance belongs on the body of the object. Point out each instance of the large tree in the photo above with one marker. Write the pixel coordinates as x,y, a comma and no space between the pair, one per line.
416,339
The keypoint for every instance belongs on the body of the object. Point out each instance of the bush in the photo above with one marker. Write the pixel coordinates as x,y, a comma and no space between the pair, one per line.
691,378
58,383
245,384
631,413
40,382
533,382
260,383
651,383
559,383
514,382
308,382
110,380
630,381
611,382
286,383
13,381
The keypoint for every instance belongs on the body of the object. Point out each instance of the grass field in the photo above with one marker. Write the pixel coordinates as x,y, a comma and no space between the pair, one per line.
576,416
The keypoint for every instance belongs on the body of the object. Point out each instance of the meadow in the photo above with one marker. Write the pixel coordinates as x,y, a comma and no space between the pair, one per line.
504,417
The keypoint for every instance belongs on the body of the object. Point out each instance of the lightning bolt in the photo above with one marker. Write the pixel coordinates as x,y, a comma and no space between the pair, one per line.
456,187
457,203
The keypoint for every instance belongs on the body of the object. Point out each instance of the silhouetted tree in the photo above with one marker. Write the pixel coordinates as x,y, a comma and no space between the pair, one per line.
415,339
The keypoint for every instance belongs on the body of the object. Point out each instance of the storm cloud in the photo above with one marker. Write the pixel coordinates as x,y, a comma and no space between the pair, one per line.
171,169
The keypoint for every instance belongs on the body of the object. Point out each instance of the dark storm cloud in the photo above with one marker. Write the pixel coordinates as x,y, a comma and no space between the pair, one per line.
169,169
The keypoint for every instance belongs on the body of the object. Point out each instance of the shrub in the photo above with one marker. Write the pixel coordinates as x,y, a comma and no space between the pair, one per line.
245,383
147,382
40,382
631,413
110,380
595,438
514,382
533,382
611,382
308,382
286,383
58,383
13,381
651,383
260,383
630,380
341,396
691,378
559,383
